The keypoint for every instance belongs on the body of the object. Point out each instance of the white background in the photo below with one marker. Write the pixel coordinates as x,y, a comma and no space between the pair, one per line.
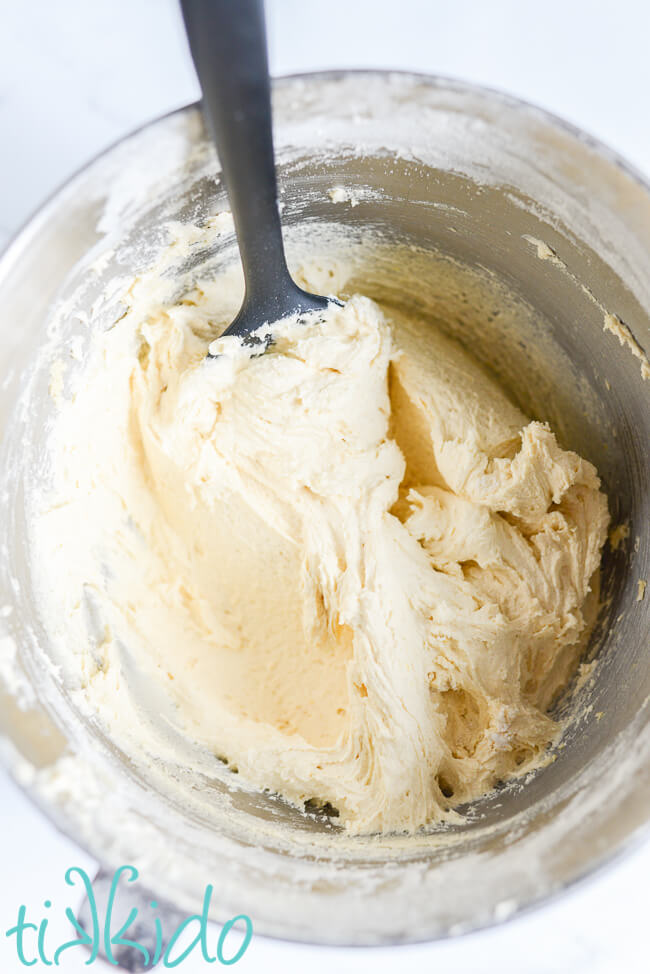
77,74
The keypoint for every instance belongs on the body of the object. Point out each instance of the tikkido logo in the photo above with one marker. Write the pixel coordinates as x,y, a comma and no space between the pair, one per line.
106,937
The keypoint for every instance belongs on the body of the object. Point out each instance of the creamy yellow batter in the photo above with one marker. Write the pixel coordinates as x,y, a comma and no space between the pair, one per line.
354,567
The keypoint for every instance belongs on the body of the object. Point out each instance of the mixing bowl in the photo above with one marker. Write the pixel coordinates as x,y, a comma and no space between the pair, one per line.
531,244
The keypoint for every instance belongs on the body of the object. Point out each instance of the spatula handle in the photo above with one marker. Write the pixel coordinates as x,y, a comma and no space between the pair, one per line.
228,43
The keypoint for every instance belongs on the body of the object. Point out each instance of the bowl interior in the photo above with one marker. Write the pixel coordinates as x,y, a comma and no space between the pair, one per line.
505,230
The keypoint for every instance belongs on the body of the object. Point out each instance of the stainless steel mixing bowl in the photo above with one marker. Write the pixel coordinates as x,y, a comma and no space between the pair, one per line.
522,235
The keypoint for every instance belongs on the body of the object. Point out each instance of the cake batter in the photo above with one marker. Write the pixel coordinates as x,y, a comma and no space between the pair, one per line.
350,567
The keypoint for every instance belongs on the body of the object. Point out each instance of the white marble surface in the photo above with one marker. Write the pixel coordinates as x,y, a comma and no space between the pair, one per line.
74,76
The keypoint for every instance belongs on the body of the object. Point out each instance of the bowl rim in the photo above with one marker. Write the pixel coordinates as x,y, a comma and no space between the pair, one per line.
435,81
